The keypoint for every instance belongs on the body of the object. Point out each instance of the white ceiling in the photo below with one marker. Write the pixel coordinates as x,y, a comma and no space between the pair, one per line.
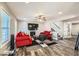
28,11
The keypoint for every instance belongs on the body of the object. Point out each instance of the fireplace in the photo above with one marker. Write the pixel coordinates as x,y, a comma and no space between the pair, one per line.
32,33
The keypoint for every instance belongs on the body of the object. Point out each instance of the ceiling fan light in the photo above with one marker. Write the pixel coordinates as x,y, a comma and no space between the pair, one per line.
60,12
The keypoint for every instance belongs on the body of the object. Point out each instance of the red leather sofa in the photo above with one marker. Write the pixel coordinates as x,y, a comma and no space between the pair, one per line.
47,34
23,40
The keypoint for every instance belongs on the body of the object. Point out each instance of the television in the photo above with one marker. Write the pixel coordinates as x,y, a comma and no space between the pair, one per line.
32,26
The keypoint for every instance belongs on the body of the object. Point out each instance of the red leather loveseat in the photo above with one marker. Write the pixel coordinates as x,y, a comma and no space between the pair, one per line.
47,34
22,39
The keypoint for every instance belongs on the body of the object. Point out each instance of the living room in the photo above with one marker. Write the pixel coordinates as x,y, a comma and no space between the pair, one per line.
39,28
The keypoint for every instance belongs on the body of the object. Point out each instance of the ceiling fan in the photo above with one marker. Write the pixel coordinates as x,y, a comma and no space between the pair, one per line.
41,18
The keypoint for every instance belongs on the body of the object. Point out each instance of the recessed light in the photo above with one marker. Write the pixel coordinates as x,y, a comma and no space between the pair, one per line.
27,2
40,20
60,12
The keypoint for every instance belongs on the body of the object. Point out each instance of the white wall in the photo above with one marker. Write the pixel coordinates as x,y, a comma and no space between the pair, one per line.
45,26
75,29
23,26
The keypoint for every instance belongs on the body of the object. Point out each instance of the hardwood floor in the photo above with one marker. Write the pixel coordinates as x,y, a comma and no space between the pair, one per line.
63,48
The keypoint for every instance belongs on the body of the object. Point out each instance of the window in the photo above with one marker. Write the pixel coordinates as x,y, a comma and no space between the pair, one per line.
4,27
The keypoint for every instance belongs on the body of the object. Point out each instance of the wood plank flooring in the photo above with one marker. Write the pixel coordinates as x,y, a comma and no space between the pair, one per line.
62,48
